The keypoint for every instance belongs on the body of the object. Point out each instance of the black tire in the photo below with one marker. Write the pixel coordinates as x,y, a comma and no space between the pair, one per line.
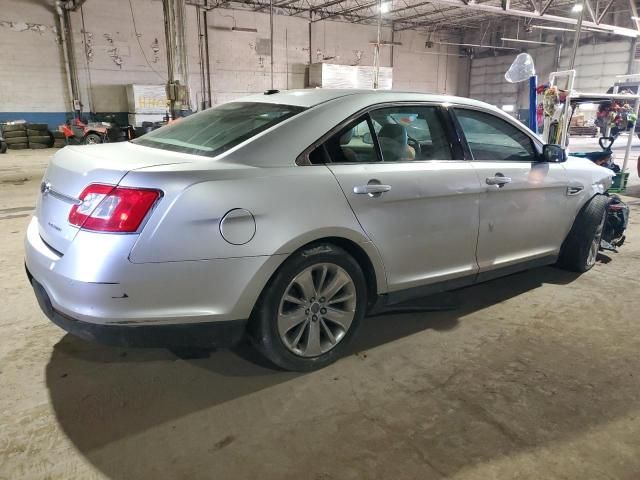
46,139
36,133
263,328
57,135
38,146
18,146
14,134
3,147
577,252
92,138
20,127
16,140
38,126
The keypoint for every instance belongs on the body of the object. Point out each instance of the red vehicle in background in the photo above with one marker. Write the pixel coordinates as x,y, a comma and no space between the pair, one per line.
80,133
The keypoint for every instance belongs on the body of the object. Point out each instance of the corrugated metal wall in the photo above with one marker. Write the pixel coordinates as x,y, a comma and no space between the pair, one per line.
596,66
487,81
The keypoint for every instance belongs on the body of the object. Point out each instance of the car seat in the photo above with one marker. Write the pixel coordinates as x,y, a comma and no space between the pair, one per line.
394,143
349,155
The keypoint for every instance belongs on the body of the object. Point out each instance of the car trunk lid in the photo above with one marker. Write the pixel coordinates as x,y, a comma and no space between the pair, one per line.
72,169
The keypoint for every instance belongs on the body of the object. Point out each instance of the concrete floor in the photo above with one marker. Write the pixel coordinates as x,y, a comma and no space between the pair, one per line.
532,376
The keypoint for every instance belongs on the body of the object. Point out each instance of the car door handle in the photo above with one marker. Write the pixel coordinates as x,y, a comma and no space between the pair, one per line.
371,189
498,180
574,189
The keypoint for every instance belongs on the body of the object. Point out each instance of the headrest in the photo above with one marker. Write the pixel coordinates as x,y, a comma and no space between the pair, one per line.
394,131
346,137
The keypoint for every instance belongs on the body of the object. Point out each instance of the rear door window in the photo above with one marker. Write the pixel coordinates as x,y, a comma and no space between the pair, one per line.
216,130
352,144
411,133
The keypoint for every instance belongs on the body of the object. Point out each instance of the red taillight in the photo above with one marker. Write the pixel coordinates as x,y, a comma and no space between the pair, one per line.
106,208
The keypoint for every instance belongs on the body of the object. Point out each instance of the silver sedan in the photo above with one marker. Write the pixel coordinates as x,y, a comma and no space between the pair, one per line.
287,216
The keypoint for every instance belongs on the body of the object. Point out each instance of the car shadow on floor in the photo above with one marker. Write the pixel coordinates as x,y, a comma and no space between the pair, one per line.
101,395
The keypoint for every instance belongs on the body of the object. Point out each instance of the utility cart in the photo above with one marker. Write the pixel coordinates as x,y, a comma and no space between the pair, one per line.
560,104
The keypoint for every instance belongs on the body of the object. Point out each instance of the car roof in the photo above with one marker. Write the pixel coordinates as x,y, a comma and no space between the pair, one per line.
311,97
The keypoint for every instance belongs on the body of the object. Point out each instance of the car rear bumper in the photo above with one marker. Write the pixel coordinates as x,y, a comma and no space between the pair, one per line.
201,334
93,291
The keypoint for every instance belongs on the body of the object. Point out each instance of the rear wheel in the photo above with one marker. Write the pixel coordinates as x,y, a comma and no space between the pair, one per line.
310,309
580,248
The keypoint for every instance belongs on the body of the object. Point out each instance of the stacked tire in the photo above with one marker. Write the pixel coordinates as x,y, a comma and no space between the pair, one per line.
58,139
39,136
15,136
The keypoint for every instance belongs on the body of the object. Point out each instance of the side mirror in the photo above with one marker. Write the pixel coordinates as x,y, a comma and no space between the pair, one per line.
553,154
366,138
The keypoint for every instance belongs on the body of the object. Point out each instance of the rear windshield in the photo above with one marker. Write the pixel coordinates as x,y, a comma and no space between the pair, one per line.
218,129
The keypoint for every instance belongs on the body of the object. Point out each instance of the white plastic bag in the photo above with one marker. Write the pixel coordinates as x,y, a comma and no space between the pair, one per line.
521,69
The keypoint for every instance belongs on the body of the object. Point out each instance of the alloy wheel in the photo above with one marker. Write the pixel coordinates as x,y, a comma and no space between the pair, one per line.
317,309
595,244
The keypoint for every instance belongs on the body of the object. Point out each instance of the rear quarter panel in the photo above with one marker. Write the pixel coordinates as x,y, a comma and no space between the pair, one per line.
291,206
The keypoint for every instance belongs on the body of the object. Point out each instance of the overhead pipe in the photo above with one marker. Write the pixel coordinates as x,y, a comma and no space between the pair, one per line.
205,23
376,52
69,57
576,40
271,38
177,68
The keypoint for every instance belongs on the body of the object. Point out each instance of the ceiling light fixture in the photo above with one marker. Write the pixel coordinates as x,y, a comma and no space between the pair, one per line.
386,44
443,54
385,7
243,29
474,45
504,39
577,8
557,29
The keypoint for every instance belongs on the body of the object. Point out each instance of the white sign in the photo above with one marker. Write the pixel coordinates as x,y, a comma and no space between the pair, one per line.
147,99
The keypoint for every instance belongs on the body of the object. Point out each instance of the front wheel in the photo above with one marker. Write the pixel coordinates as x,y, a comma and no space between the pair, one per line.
92,139
310,309
581,246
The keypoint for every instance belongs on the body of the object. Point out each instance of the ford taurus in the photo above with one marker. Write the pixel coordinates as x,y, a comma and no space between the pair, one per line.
287,216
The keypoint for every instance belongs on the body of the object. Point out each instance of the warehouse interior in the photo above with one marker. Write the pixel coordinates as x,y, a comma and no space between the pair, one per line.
529,376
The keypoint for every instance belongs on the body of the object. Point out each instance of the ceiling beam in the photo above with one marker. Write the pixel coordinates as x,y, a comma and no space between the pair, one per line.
347,11
328,4
397,10
408,25
544,9
592,14
634,14
276,5
628,32
605,10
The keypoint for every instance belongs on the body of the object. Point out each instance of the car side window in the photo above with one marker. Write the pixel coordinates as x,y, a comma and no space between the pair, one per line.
492,138
352,144
411,133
